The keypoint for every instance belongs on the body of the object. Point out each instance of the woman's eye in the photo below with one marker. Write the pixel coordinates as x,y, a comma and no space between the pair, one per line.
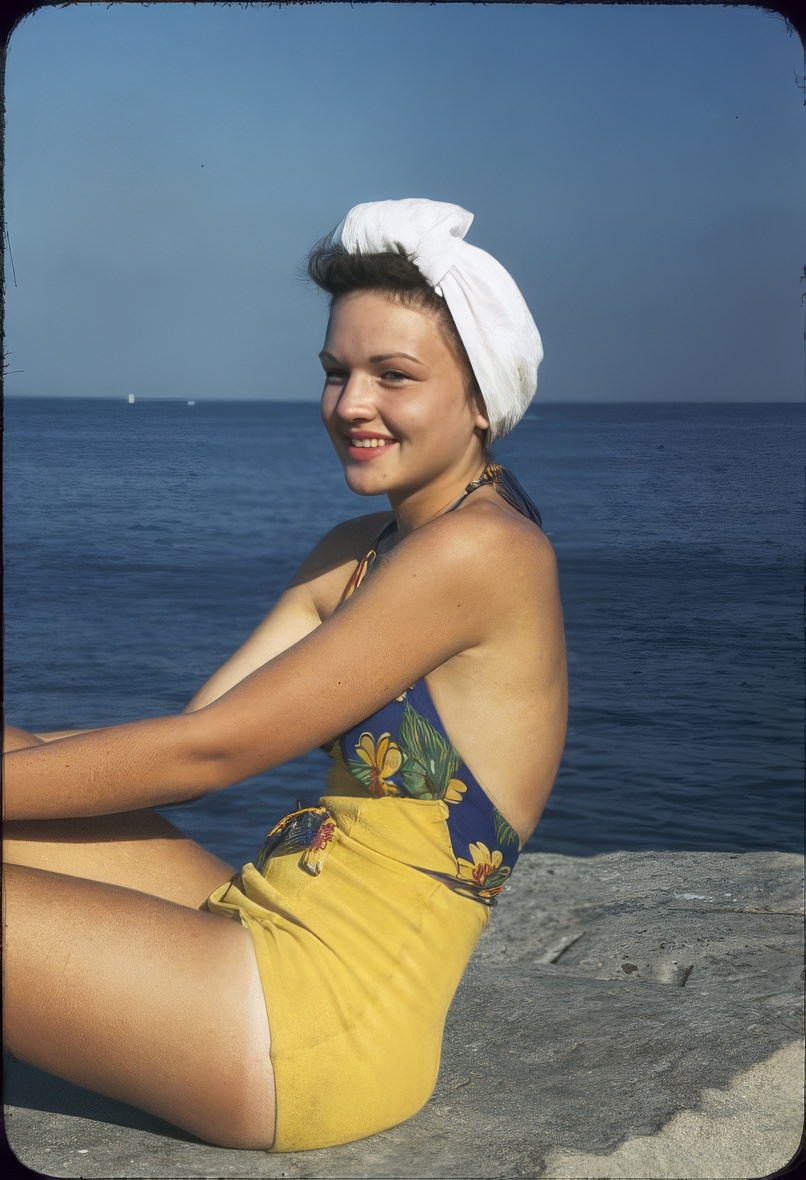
394,375
334,376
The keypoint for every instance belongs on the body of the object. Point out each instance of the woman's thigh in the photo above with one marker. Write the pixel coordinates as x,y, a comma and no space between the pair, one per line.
140,999
139,850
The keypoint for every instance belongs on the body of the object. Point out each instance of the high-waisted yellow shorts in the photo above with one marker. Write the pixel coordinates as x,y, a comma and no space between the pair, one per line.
359,965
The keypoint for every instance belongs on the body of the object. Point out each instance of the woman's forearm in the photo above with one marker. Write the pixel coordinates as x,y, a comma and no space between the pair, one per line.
124,768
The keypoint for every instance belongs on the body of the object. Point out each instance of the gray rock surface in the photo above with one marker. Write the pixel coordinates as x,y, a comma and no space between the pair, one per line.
633,1014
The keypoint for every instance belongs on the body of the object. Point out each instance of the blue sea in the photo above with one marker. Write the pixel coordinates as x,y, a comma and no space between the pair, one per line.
143,543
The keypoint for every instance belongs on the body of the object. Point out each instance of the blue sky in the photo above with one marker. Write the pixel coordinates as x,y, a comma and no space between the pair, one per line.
640,170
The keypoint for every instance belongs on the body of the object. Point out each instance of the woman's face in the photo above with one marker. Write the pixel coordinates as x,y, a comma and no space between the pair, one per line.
396,401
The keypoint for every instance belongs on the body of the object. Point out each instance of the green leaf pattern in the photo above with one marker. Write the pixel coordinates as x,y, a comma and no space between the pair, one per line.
504,832
430,762
361,771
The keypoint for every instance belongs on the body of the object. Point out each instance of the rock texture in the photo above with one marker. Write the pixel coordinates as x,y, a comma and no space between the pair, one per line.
627,1015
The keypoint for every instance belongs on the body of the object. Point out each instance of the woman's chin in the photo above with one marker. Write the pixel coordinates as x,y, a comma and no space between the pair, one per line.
363,482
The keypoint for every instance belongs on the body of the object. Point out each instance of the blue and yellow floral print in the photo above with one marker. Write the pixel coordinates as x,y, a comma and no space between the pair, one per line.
403,750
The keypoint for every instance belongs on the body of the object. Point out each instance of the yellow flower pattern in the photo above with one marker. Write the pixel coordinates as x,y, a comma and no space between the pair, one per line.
455,790
486,871
383,759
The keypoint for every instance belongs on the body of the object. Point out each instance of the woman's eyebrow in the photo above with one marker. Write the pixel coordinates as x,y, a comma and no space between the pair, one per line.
375,360
390,356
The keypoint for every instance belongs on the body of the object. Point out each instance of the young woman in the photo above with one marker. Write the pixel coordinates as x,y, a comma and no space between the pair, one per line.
423,648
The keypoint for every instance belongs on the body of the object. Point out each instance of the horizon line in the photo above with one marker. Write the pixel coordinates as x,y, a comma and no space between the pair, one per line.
201,399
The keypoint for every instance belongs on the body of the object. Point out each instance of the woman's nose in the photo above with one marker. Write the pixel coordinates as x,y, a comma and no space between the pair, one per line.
355,399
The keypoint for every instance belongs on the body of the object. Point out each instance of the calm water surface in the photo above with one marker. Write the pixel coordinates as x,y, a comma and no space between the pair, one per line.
143,543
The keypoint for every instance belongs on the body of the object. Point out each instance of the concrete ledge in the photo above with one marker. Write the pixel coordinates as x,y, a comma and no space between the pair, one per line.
630,1015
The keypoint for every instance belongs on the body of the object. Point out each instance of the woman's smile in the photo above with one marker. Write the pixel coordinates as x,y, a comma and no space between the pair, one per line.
363,445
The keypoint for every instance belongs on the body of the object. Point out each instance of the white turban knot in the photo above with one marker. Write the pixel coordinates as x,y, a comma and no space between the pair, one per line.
495,325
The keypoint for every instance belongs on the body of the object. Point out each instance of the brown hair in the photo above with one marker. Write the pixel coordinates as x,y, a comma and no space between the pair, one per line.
337,272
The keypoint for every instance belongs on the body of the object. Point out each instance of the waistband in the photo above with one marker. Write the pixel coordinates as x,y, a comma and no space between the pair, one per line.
310,830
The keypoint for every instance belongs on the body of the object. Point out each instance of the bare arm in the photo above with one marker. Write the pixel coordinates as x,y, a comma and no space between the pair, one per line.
296,613
423,604
291,619
300,609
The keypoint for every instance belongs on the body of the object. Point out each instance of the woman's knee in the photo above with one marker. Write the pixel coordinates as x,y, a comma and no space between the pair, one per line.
138,850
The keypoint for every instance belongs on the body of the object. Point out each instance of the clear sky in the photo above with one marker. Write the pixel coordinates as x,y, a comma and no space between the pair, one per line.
639,170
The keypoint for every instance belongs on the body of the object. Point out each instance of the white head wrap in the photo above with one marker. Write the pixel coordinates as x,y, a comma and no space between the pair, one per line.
495,325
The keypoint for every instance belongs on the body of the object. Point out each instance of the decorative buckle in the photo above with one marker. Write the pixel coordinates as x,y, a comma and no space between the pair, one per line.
310,830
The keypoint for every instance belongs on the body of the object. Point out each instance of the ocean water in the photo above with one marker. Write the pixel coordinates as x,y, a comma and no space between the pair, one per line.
143,543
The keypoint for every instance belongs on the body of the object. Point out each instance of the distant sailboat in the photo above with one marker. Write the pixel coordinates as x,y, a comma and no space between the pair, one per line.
131,399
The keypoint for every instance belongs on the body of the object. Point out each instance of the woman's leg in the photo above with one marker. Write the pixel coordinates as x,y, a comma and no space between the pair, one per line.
140,999
139,850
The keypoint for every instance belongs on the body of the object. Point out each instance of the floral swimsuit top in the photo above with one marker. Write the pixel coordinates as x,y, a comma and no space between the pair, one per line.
403,750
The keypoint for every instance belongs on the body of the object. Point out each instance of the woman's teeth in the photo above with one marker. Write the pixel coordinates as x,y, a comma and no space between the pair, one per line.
371,442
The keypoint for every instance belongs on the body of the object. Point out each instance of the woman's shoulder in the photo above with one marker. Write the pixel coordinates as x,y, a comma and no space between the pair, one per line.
485,544
328,567
485,538
493,569
350,539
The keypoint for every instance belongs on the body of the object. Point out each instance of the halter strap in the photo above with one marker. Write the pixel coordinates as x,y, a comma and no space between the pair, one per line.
505,484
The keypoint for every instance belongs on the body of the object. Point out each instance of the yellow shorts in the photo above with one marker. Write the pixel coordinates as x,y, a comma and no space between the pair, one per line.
359,965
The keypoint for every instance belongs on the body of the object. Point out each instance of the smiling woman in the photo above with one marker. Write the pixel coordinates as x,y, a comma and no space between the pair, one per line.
424,648
409,429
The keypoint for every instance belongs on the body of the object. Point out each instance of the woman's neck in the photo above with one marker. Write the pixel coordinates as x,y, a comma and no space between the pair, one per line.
420,508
